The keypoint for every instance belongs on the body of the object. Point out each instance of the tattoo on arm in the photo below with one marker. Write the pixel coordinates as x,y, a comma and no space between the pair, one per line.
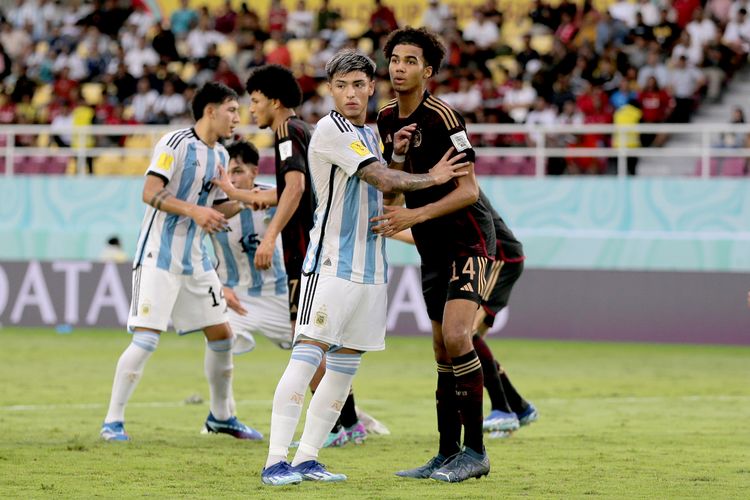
159,198
389,180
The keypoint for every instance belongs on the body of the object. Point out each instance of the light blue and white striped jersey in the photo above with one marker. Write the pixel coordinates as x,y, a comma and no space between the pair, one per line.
342,242
172,242
235,253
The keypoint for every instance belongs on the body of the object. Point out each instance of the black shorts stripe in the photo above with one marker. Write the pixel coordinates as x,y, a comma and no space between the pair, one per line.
136,291
304,314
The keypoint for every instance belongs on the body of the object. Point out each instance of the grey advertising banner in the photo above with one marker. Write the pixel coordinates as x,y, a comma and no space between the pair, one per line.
546,304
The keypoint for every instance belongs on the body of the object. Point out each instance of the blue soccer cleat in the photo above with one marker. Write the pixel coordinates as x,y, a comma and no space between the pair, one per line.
312,470
233,427
114,431
465,465
528,416
426,470
280,474
500,421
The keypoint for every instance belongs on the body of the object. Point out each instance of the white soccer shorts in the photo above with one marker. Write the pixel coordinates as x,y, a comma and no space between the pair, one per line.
267,315
342,313
192,302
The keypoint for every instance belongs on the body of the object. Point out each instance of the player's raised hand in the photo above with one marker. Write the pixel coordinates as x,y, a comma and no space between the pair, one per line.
394,220
212,221
448,168
233,302
402,139
264,254
222,181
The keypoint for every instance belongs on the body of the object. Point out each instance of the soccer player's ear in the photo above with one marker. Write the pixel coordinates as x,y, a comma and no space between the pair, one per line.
427,72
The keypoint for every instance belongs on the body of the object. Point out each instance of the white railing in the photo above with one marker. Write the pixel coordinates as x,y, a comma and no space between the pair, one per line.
704,149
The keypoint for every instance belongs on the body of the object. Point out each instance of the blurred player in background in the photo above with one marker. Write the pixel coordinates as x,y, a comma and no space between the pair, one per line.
509,409
258,300
455,237
172,275
274,93
343,312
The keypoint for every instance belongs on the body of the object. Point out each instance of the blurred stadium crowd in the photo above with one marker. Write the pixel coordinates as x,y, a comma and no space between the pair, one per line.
109,62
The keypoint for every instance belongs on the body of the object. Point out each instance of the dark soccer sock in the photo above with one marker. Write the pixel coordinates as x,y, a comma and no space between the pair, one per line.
491,375
348,415
515,401
467,370
448,420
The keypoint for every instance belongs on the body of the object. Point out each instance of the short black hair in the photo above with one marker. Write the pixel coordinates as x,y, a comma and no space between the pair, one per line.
275,82
245,151
348,61
432,48
211,93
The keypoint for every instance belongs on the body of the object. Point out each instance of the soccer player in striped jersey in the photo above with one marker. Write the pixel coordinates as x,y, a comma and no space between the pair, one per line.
343,308
274,93
173,278
454,267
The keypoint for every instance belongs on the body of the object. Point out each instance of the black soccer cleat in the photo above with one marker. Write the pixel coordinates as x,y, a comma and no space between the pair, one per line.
465,465
424,471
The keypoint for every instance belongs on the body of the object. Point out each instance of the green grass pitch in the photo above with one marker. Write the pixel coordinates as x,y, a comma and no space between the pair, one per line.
617,421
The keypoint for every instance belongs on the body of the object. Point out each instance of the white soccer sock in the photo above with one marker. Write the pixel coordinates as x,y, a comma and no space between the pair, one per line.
326,404
218,367
128,373
289,398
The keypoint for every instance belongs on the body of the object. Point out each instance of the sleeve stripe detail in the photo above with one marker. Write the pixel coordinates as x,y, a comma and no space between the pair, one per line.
341,122
282,132
389,104
451,120
367,161
175,140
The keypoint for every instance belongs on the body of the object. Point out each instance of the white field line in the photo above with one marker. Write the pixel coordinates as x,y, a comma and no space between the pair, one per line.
381,402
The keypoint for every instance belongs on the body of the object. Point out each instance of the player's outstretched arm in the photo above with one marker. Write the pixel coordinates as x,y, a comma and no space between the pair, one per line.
396,219
389,180
155,194
255,199
288,203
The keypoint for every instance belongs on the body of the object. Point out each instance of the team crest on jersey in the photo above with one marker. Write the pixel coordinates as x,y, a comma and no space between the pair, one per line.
416,138
359,148
321,318
145,308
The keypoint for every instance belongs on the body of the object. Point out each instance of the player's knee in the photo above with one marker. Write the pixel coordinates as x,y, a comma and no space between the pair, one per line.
147,341
222,345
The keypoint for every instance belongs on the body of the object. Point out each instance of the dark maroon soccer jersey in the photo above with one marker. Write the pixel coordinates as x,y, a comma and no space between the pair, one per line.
509,249
466,232
292,140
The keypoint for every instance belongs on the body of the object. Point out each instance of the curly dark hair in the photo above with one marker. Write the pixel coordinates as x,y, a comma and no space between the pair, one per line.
432,48
275,82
